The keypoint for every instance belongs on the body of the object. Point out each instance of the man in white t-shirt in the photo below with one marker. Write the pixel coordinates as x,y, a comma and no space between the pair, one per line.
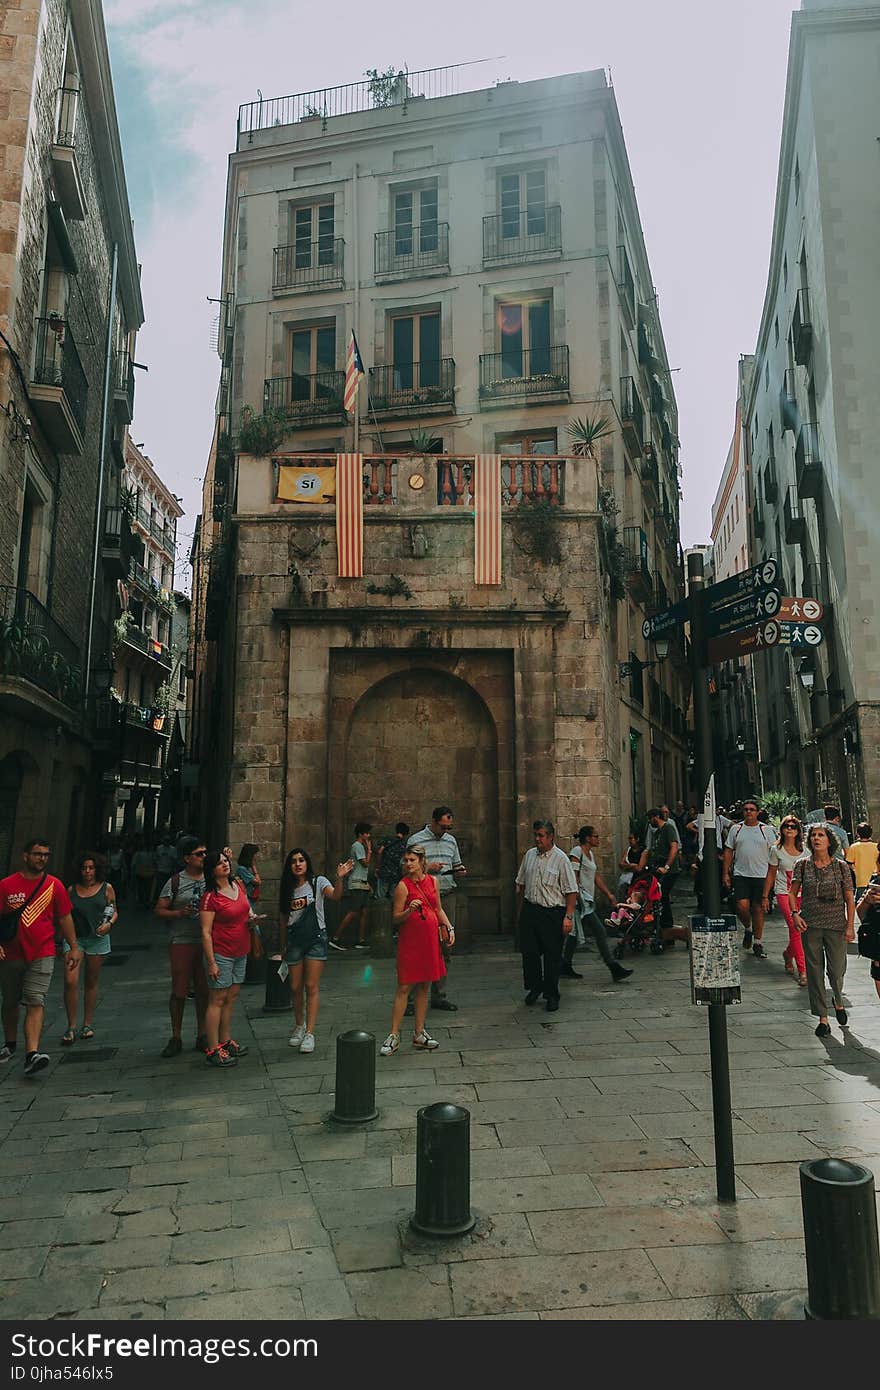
746,861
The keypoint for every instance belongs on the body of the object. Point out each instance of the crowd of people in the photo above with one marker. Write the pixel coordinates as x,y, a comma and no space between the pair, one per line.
208,900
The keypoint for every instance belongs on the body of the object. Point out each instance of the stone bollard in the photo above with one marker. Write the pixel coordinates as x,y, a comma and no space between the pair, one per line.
443,1171
355,1079
840,1239
255,971
277,990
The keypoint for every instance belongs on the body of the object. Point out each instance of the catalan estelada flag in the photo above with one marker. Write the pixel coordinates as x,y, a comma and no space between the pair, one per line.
350,516
487,519
354,370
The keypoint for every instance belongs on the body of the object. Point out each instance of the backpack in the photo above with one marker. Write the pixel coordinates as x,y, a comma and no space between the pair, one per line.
869,929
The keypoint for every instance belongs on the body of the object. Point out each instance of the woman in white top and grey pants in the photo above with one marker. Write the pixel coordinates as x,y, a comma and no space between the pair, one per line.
584,864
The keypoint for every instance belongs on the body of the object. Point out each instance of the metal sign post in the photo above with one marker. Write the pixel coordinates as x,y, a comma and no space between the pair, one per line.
725,1181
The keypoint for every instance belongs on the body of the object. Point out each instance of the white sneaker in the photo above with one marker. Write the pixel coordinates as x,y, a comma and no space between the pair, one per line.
425,1041
297,1035
308,1043
390,1045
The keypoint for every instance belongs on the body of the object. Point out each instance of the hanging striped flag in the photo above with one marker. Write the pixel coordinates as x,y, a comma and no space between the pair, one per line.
350,516
354,370
487,519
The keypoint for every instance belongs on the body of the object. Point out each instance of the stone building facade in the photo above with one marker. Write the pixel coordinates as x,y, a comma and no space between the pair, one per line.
70,306
487,251
812,414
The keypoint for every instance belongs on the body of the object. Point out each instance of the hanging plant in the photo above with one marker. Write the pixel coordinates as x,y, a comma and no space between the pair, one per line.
584,434
261,434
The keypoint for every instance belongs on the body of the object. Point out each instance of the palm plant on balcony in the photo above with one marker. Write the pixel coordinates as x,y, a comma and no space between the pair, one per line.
585,433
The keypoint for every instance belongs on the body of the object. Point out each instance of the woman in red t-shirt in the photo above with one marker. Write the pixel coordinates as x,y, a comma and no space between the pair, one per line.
229,932
417,913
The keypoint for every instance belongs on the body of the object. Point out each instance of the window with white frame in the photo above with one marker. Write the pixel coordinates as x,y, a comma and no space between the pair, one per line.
522,203
415,349
313,229
416,228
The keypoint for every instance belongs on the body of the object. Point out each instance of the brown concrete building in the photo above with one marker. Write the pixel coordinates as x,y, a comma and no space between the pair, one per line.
70,305
486,249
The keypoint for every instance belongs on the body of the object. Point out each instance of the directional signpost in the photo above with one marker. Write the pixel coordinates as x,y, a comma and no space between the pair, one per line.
751,581
743,612
665,621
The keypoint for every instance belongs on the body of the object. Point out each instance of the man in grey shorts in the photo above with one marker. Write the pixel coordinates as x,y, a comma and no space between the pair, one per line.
39,902
746,861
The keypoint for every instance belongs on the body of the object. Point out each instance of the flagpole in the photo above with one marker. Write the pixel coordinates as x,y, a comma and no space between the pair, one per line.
357,294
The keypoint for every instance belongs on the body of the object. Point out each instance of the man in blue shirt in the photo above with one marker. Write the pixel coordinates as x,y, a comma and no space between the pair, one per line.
442,857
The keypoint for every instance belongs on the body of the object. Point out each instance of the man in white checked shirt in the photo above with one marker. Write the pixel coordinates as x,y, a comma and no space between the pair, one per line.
546,890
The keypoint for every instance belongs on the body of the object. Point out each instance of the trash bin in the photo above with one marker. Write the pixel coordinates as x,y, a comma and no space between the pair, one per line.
277,990
840,1239
443,1171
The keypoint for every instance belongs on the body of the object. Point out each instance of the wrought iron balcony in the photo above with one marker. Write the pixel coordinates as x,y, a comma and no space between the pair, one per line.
145,642
802,328
34,647
146,718
123,388
409,251
794,523
650,467
117,542
133,774
59,390
413,388
66,154
626,285
632,415
310,265
758,521
523,236
771,480
307,399
539,375
636,566
808,462
150,587
788,406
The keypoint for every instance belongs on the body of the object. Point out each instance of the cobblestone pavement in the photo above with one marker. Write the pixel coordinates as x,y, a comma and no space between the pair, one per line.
135,1187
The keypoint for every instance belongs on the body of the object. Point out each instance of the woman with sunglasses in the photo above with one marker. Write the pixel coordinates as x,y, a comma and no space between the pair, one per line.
229,933
825,916
788,849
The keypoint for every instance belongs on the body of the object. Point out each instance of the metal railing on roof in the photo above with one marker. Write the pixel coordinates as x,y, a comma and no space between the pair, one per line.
373,94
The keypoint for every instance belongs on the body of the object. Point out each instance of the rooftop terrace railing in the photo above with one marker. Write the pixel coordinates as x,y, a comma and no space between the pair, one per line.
373,94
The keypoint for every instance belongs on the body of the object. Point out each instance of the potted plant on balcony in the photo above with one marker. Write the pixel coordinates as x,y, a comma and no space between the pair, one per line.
163,702
261,434
584,433
120,628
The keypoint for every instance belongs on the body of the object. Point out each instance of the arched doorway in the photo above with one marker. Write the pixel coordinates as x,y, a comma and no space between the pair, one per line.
419,738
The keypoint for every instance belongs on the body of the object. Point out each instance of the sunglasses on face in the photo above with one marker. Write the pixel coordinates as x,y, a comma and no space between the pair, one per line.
199,854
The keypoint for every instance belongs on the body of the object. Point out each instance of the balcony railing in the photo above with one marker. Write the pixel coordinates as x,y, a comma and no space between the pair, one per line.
410,250
650,468
57,363
636,566
523,236
524,376
808,462
145,642
318,396
309,265
627,286
410,388
160,531
34,646
117,542
326,102
632,415
771,480
794,524
145,717
123,387
139,775
802,328
526,479
788,406
758,521
150,586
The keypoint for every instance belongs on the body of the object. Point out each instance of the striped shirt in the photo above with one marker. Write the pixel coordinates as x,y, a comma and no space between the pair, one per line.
442,849
546,878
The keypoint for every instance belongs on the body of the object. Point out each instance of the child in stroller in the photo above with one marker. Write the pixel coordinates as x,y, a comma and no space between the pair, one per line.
637,920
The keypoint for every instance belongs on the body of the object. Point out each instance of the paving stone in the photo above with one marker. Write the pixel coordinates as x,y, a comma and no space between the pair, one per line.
24,1298
492,1195
245,1305
144,1199
325,1299
238,1145
235,1189
709,1269
421,1293
775,1307
158,1221
624,1228
342,1174
583,1130
485,1163
321,1143
540,1282
662,1310
18,1235
621,1155
690,1184
684,1125
161,1174
294,1267
761,1148
168,1281
121,1253
342,1210
28,1263
229,1241
367,1248
494,1237
124,1312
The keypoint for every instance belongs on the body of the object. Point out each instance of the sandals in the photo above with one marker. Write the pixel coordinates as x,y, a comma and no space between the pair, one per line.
87,1031
68,1037
802,979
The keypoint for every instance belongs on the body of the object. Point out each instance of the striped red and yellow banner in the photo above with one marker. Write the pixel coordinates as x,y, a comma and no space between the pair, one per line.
350,515
487,519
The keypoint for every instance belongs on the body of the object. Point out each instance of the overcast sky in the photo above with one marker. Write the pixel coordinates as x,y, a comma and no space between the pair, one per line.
700,87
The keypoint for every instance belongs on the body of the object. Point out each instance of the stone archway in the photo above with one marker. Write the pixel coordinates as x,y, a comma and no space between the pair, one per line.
418,738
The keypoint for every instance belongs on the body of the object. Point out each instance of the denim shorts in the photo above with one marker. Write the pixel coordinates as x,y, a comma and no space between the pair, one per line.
318,951
91,945
232,969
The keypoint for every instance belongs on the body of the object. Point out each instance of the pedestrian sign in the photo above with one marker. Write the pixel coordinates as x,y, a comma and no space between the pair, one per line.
760,577
794,608
665,621
743,612
784,634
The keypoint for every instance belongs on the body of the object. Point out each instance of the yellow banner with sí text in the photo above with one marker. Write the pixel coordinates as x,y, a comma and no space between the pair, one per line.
306,484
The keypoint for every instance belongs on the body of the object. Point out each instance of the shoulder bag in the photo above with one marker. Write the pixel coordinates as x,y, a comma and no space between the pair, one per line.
9,920
305,933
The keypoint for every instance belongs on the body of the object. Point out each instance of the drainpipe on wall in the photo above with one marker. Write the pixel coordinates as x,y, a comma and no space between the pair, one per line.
356,309
105,411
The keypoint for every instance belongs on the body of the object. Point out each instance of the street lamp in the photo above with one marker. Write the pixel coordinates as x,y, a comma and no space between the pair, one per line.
740,744
807,677
628,668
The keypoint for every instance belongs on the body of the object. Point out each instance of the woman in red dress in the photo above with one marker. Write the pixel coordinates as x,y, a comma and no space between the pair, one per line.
421,921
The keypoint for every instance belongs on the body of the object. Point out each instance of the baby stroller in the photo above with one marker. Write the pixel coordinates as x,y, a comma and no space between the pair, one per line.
640,926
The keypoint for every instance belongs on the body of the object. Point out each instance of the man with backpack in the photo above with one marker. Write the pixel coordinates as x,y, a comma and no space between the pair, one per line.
178,905
746,861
